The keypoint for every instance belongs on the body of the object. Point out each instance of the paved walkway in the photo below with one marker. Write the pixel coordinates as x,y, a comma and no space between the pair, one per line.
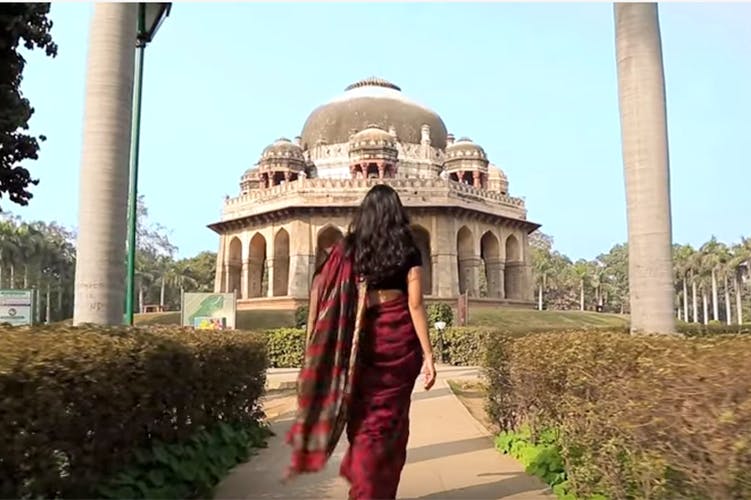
450,455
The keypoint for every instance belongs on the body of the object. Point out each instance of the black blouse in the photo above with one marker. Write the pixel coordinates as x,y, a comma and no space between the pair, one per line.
398,279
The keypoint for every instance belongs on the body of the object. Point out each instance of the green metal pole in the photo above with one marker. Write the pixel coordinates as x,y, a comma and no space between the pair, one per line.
133,189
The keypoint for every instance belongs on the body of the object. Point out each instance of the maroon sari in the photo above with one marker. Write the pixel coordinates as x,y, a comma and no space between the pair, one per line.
360,368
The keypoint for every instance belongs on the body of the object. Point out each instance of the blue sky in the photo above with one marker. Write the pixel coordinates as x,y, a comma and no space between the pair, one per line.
534,83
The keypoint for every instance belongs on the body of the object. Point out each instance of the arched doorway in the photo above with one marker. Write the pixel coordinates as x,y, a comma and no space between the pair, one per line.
281,263
327,237
235,266
512,279
464,254
490,252
422,239
257,279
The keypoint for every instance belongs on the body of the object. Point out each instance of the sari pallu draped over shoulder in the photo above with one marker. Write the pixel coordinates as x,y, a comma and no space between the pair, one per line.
324,385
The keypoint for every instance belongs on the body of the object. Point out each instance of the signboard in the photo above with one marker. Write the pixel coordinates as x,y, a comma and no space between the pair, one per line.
209,311
17,307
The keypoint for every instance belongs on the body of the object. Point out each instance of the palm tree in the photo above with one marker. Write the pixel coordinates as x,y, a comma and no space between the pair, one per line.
641,89
581,271
738,268
99,290
682,262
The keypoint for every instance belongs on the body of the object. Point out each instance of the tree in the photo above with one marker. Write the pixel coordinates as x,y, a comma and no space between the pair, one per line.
641,89
27,25
102,223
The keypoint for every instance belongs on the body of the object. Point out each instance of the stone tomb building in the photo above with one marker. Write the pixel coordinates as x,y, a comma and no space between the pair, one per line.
300,197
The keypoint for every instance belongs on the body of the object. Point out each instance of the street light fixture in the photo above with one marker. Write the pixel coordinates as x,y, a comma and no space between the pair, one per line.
150,18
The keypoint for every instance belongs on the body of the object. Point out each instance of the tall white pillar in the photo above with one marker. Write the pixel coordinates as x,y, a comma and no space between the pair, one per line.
102,216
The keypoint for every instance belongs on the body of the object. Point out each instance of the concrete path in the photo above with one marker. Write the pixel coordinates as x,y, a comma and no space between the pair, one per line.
450,455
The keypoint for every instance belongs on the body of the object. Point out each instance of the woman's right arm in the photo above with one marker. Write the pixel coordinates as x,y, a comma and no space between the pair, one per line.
420,321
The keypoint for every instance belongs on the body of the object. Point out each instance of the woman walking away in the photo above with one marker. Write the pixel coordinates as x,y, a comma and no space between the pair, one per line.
367,339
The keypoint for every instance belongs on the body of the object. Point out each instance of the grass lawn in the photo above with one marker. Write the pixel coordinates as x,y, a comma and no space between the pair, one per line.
526,319
509,319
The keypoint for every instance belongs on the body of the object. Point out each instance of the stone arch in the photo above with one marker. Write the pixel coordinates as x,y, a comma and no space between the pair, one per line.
422,239
281,263
235,266
490,253
514,269
328,236
257,279
465,255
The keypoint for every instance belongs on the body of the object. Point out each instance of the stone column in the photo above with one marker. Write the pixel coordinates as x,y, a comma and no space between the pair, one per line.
515,280
476,179
244,291
301,268
226,284
494,269
105,160
219,283
445,271
270,265
469,270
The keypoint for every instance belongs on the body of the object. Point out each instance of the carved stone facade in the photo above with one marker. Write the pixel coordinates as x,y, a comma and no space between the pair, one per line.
300,197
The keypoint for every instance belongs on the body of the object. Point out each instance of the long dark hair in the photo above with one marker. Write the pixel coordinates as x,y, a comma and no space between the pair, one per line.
379,234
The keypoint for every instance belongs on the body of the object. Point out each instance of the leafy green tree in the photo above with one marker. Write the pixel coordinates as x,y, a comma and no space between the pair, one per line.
24,25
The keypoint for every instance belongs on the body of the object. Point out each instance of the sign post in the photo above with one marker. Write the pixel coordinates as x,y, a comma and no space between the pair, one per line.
209,311
17,307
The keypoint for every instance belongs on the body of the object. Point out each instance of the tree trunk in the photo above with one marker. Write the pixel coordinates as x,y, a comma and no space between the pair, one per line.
539,298
140,298
706,307
161,294
25,277
715,301
728,309
12,276
1,275
685,300
581,295
738,299
48,307
641,89
105,165
695,310
60,299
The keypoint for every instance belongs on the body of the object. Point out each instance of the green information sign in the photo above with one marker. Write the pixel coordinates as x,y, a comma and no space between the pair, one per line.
209,311
17,307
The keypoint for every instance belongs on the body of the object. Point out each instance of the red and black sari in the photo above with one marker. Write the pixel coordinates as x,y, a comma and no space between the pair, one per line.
359,371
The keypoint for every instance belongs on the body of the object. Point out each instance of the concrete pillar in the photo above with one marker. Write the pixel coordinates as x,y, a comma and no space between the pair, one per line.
105,160
515,280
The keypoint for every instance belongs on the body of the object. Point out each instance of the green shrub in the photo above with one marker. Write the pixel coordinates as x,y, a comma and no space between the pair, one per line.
78,402
440,312
188,469
713,328
285,347
637,416
460,345
301,316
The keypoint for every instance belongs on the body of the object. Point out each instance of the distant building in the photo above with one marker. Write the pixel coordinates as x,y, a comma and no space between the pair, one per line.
300,196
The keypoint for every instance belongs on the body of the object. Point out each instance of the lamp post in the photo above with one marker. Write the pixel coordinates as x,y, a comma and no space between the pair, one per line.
440,326
150,18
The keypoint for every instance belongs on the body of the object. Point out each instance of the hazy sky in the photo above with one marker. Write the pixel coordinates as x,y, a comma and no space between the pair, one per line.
533,83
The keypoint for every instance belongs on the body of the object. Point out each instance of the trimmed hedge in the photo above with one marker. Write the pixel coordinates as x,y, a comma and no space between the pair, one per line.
636,416
285,347
77,403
